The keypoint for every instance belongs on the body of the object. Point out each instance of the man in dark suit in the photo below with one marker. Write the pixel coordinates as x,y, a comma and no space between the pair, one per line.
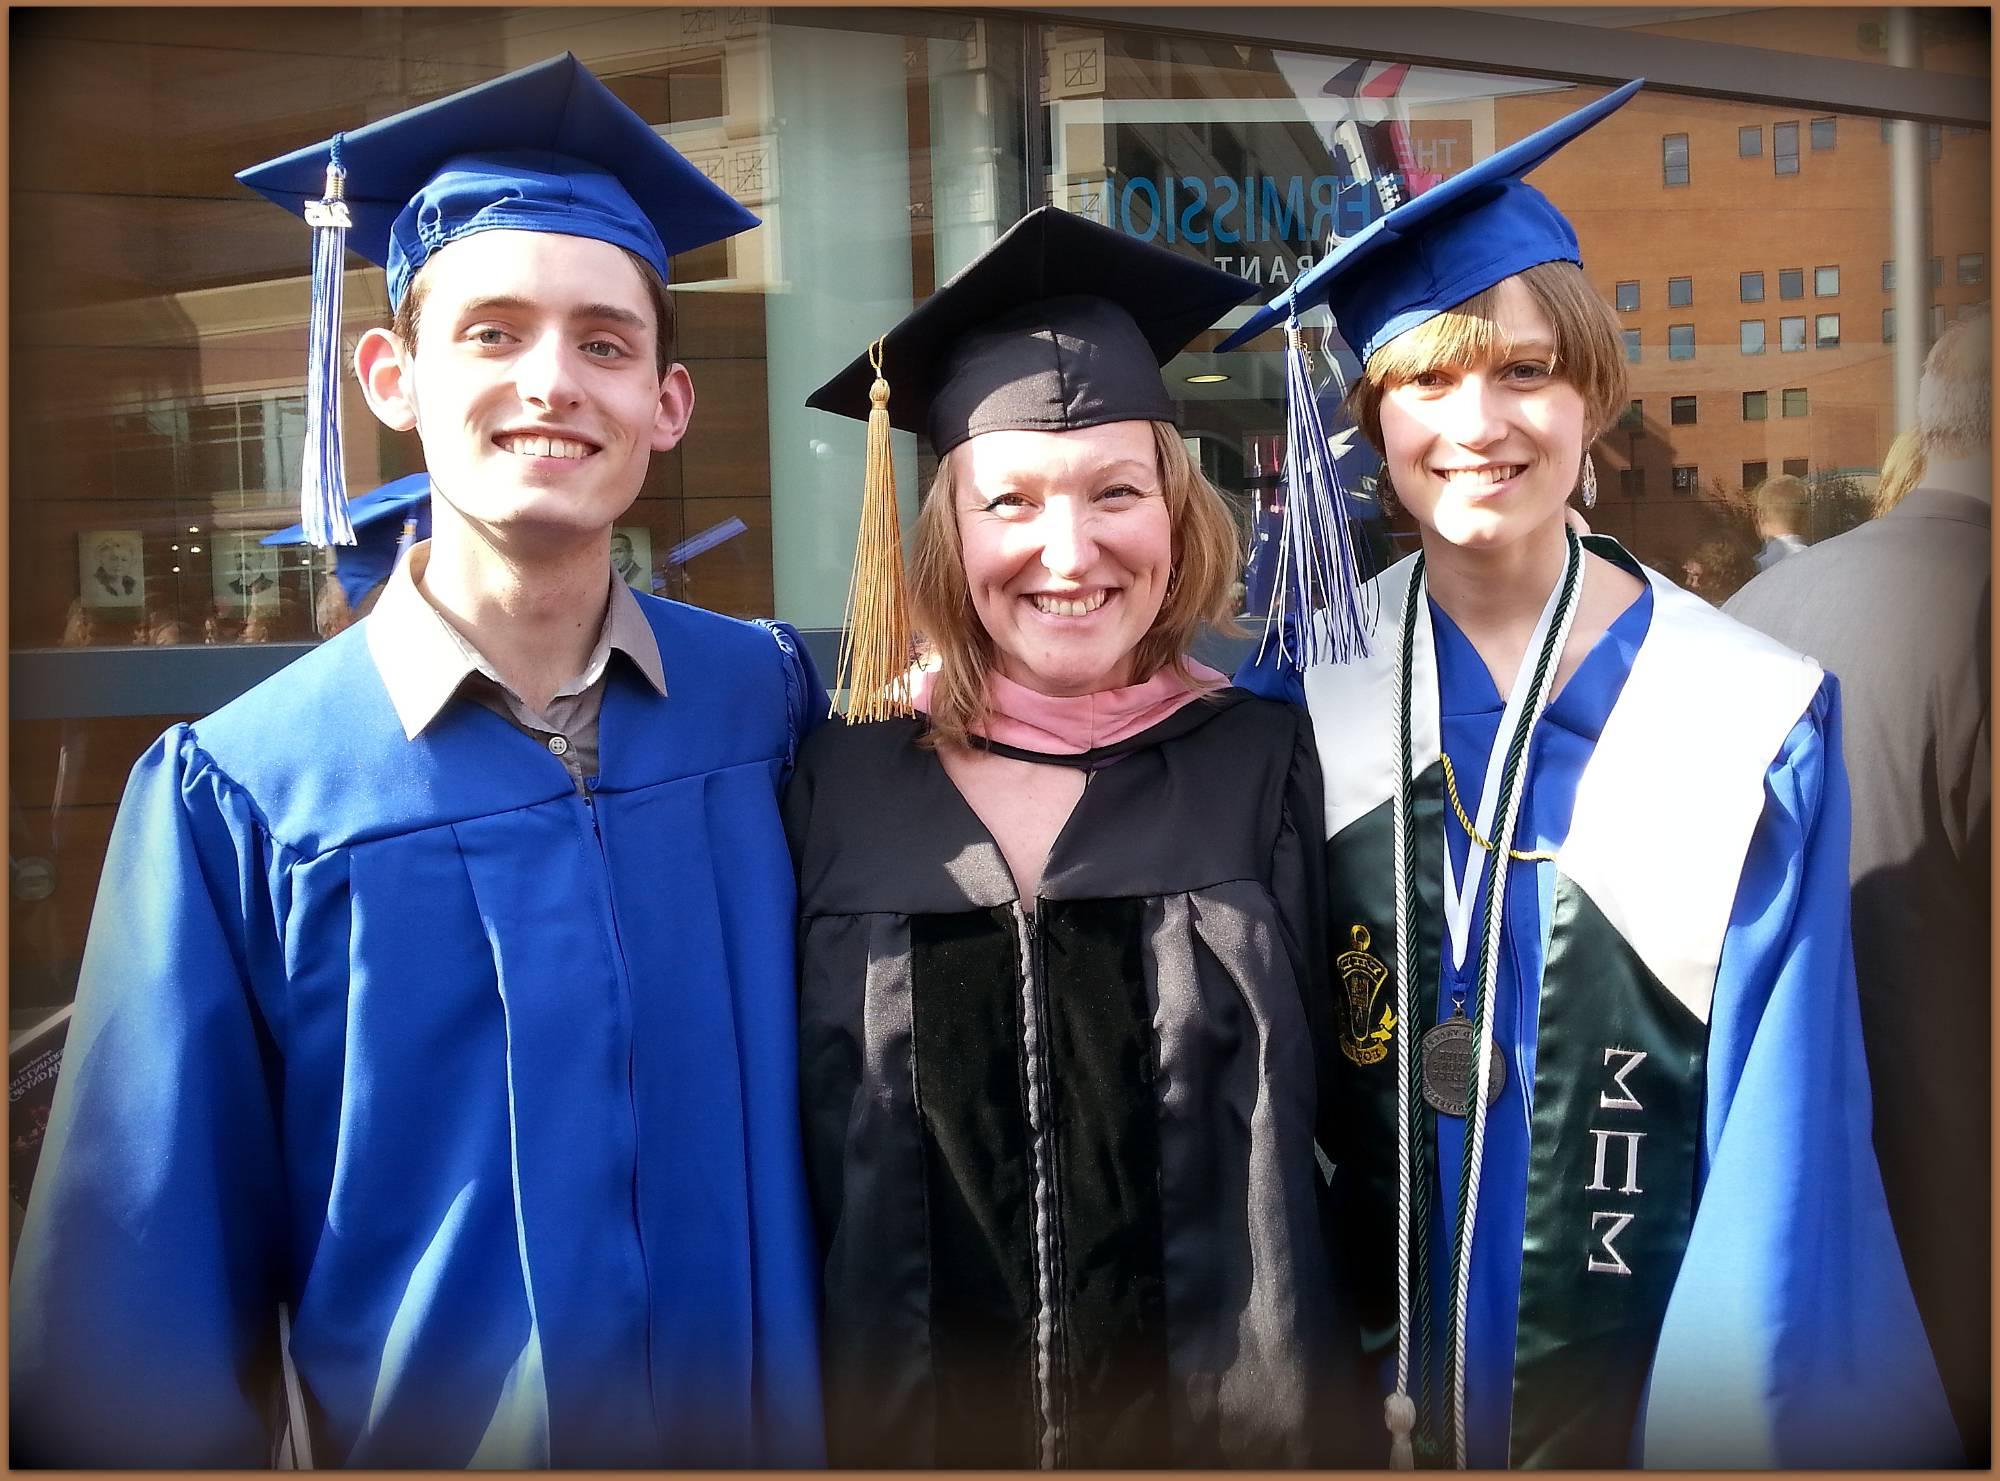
1899,610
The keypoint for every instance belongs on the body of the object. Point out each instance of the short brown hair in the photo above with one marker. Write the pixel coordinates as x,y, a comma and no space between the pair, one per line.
1206,561
410,310
1589,348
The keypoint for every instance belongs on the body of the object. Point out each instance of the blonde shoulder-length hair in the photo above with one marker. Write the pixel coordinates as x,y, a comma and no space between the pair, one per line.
1206,559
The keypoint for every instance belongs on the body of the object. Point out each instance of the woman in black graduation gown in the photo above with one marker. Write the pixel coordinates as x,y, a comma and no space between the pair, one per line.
1061,1019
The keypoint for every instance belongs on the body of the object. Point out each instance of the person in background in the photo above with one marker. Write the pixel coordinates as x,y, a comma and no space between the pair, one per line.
1063,1011
386,521
1902,470
1900,608
431,1097
1780,506
1608,1197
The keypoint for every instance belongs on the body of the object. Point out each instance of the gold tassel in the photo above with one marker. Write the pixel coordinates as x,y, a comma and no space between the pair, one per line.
876,644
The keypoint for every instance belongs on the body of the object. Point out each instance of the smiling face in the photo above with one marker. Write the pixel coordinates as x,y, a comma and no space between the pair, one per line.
1483,455
1068,548
532,383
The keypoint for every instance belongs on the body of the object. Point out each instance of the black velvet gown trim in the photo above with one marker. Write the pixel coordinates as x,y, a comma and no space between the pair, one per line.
979,1192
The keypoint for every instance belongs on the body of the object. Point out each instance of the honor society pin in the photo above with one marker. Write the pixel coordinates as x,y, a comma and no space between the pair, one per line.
1364,1038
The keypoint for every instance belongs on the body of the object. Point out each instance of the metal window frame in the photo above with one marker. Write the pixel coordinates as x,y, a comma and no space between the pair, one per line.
1569,51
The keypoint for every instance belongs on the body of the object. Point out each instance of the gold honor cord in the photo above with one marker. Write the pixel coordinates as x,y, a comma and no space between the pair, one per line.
1451,790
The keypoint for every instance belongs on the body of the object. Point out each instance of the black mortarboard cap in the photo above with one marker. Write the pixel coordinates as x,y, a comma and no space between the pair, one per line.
1061,323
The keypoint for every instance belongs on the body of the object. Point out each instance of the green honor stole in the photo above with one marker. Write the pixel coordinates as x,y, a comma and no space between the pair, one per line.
1644,885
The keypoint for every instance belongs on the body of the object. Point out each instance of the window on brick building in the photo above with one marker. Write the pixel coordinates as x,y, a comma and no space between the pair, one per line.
1674,159
1784,149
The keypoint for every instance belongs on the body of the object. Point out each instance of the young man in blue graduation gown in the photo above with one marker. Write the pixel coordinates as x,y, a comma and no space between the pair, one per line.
439,996
1602,1166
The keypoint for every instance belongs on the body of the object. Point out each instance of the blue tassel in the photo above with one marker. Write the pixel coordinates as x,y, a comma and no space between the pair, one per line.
1322,608
323,492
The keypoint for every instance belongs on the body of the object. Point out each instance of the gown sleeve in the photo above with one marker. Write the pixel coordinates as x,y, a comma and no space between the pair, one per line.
805,694
1265,675
146,1285
1791,1338
1349,1425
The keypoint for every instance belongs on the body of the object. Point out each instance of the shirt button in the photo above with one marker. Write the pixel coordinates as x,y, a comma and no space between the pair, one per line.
558,745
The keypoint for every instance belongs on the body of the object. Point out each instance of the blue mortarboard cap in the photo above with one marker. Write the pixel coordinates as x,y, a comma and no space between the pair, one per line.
1455,240
547,148
378,517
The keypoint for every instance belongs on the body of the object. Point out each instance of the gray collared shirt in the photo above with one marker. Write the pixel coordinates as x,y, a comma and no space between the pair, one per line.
425,663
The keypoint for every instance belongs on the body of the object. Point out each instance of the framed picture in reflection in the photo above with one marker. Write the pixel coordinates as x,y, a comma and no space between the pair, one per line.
632,555
244,573
111,569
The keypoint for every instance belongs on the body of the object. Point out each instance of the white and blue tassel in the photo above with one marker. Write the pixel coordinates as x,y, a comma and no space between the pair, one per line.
323,493
1322,608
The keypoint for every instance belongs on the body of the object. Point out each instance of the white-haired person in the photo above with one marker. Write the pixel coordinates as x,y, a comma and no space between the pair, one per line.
1900,609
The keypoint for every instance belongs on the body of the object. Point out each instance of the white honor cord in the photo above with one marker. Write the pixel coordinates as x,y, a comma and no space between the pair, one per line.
1490,948
1459,901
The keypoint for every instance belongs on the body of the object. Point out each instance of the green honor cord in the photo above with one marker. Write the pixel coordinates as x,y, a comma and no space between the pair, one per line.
1413,1283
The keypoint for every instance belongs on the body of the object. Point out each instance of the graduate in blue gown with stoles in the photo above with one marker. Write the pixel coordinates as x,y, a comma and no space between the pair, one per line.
1605,1193
431,1096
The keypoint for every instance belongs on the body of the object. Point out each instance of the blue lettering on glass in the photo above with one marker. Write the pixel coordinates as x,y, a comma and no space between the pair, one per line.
1200,197
1125,208
1224,233
1283,218
1305,210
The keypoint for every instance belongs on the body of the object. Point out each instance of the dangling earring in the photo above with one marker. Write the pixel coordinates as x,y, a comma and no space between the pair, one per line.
1589,480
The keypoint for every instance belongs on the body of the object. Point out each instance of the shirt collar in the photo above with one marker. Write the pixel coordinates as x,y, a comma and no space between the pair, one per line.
423,659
